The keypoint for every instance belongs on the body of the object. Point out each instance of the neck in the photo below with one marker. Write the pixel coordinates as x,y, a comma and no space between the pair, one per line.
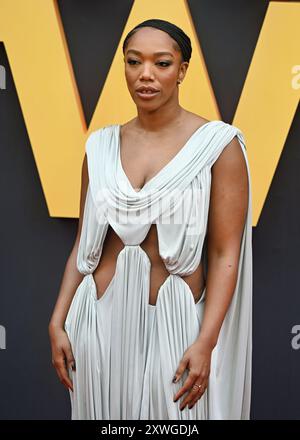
158,120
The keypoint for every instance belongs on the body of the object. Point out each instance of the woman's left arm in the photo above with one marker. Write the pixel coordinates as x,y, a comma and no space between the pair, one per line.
226,221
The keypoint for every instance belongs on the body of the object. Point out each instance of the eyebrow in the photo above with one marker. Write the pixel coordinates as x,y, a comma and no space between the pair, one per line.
155,53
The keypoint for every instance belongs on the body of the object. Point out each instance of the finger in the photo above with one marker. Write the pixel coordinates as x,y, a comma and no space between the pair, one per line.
63,373
194,393
65,378
180,370
198,396
70,359
193,403
190,380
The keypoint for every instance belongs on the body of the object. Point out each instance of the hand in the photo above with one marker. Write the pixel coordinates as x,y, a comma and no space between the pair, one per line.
196,359
62,356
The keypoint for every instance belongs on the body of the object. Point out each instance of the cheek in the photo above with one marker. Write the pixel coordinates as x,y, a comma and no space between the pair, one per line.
130,76
168,79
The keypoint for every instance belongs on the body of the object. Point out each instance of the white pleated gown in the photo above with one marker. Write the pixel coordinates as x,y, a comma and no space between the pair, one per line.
126,350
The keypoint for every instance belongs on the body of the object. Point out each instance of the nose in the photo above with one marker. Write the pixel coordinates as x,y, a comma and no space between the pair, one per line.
146,72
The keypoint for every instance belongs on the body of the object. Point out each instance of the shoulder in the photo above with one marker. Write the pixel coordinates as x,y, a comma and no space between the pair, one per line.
223,128
230,138
194,119
231,163
231,153
94,137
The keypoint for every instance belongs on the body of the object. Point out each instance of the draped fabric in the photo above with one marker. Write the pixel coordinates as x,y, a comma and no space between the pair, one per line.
127,350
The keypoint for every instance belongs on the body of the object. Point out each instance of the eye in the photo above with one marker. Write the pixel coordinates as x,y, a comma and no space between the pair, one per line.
160,63
164,62
132,61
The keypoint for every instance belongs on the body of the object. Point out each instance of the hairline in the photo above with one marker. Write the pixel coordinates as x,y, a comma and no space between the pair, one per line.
154,53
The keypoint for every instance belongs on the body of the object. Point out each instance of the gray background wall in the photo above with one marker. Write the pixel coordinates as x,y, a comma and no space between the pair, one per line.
34,247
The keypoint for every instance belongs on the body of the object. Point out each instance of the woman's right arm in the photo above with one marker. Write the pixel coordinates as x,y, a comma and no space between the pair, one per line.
62,356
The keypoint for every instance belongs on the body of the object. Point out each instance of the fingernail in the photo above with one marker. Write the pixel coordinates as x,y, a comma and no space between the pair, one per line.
174,379
73,366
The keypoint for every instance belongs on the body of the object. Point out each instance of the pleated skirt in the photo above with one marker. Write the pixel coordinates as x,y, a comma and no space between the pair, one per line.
126,350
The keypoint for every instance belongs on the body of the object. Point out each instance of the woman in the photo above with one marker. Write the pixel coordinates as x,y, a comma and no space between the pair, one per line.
159,282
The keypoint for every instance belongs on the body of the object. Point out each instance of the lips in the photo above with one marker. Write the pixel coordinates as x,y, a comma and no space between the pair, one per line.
147,92
147,95
147,89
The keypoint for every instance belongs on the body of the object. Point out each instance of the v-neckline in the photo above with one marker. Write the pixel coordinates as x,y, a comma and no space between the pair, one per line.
168,164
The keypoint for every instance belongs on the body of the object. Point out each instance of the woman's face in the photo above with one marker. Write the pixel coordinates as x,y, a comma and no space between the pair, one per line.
144,67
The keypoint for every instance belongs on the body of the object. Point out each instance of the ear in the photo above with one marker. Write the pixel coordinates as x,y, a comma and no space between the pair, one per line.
182,70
